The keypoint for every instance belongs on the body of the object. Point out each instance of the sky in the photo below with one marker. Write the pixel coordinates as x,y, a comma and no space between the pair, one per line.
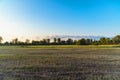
35,19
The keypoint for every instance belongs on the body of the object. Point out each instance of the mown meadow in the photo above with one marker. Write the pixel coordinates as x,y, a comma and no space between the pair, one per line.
59,63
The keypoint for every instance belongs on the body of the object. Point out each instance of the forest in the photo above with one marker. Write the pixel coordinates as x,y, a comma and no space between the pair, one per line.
58,41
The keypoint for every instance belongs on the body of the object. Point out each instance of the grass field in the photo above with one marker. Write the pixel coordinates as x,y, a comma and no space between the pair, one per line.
59,63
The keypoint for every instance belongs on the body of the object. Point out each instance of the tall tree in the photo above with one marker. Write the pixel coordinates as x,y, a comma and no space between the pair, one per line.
55,40
48,41
27,41
59,40
15,41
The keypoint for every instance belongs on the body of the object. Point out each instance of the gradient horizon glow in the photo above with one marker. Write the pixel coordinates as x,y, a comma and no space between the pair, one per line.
33,18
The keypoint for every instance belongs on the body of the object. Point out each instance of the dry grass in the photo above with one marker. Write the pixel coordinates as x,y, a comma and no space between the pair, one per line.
59,64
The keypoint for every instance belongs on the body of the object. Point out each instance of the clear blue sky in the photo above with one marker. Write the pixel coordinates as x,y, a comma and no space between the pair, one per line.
59,17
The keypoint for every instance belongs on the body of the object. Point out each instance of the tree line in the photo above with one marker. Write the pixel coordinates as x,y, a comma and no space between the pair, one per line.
69,41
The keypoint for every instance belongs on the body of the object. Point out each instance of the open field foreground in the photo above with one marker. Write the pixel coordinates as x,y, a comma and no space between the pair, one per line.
59,64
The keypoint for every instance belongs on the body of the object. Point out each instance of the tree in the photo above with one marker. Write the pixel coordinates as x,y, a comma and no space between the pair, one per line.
102,40
35,42
6,43
44,41
88,41
15,41
48,41
1,39
108,40
27,41
116,39
59,40
75,42
69,41
95,42
81,42
63,42
55,40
